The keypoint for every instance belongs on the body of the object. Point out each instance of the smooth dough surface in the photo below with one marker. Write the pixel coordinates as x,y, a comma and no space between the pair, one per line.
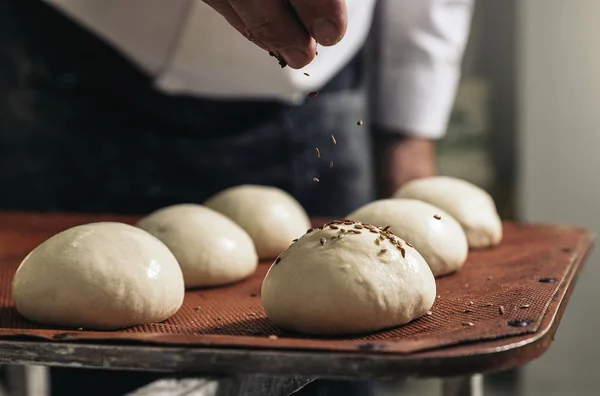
99,276
271,216
210,248
470,205
436,235
365,281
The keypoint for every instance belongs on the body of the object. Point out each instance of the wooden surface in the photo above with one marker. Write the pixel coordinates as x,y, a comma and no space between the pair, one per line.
460,359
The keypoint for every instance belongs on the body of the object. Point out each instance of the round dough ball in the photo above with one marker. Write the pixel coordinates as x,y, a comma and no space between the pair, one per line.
472,206
100,276
436,235
210,248
272,217
346,278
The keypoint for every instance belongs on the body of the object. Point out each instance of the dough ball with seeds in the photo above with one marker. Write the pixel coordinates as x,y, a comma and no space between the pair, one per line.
347,278
436,235
272,217
99,276
470,205
211,249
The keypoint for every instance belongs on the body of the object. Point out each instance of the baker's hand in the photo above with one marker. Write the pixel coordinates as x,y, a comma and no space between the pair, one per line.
402,158
288,28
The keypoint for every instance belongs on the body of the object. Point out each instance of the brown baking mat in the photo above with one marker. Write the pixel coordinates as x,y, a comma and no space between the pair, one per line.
522,275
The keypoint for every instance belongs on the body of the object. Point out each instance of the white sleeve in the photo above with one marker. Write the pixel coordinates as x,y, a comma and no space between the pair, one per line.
419,48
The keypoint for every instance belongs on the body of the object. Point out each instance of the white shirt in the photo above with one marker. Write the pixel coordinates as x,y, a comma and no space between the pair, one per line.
188,48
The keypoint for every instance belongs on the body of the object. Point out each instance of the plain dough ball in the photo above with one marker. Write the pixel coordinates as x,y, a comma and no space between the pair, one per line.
100,276
272,217
324,284
472,206
436,235
210,248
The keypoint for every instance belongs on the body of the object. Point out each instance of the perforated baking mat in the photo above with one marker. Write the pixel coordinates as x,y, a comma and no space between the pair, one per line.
500,292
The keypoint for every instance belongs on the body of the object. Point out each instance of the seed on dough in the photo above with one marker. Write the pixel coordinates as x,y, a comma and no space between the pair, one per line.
277,260
383,251
323,241
437,217
306,74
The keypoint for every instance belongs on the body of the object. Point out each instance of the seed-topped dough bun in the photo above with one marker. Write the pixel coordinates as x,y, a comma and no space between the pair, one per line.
211,249
271,216
437,236
347,277
470,205
100,276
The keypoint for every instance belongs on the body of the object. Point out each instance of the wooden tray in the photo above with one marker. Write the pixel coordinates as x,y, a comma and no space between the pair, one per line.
530,275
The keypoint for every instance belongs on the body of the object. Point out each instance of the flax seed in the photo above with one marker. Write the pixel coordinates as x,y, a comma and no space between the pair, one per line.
333,139
437,217
408,244
382,251
429,313
501,310
317,152
313,95
525,306
331,164
359,122
277,260
323,241
316,180
386,228
468,324
306,74
274,337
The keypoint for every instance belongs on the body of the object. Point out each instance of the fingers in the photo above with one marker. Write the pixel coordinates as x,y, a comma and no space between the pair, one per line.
326,20
224,8
275,24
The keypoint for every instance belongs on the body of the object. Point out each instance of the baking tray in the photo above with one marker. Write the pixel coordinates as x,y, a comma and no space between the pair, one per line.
522,275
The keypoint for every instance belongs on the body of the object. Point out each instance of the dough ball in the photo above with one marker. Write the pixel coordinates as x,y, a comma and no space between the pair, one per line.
99,276
345,278
472,206
210,248
436,235
272,217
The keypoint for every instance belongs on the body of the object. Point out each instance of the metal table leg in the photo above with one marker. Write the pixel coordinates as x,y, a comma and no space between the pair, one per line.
463,386
27,381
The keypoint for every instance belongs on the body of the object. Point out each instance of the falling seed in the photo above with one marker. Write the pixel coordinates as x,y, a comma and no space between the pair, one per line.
490,278
317,152
306,74
359,122
333,139
437,217
272,336
252,314
315,180
429,313
470,303
323,241
468,311
468,324
330,164
489,304
525,306
501,310
313,95
196,308
439,296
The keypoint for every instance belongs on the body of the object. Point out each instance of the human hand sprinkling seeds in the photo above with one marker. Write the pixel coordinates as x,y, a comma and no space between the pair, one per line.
288,29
